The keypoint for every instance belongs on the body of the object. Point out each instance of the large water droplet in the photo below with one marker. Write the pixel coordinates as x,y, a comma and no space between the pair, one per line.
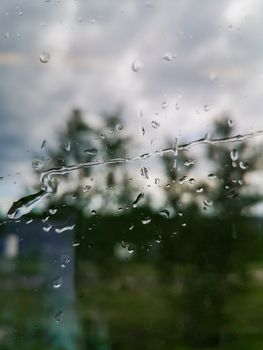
24,205
138,200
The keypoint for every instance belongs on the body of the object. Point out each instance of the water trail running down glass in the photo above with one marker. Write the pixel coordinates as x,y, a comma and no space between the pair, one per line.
27,204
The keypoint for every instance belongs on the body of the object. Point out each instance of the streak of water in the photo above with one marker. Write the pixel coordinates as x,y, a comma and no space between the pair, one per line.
28,203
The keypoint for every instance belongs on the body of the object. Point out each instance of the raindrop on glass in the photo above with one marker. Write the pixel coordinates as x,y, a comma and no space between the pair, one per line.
44,57
234,155
138,200
155,124
91,151
58,316
168,56
164,213
211,176
52,211
64,261
230,123
137,66
144,172
146,220
43,146
119,127
243,165
86,188
57,283
189,162
182,179
37,164
67,146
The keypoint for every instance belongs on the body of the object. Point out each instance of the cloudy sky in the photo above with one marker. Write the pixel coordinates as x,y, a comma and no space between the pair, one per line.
195,60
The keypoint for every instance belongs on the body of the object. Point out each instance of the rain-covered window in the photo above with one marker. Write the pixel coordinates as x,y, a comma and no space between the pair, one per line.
131,191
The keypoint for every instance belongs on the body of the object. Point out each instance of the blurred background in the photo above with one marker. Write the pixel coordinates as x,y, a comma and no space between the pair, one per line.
163,252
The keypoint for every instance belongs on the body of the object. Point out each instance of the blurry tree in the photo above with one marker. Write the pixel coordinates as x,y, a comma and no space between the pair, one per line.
216,246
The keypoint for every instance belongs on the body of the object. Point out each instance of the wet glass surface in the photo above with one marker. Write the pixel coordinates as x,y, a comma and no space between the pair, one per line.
131,175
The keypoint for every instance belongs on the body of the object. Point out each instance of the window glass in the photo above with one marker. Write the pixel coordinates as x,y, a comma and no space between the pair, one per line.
131,175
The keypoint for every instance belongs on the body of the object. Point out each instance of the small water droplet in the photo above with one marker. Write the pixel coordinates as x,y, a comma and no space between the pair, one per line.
131,227
138,200
157,181
167,56
44,57
86,188
20,13
230,123
93,212
43,146
164,213
58,316
189,162
37,164
119,127
67,146
57,282
63,229
182,179
6,35
64,261
137,66
208,203
124,244
206,108
243,165
130,249
211,176
146,220
91,151
52,211
178,102
144,172
191,180
75,244
200,189
47,228
155,124
234,154
142,131
158,239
